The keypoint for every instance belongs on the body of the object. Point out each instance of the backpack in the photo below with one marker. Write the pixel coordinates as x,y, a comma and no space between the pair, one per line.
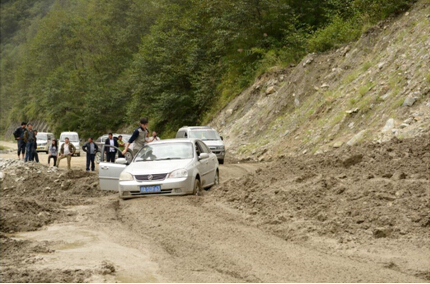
17,132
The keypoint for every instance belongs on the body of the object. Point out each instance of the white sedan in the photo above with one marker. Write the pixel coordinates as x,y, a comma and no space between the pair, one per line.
166,167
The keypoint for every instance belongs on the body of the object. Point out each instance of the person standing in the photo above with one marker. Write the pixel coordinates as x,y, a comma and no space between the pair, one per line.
35,154
121,145
53,152
91,148
66,151
110,151
155,137
29,139
139,137
19,137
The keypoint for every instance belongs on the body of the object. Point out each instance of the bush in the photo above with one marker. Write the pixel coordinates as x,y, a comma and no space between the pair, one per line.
338,32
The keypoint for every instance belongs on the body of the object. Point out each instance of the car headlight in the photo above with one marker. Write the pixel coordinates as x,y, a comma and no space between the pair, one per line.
181,173
125,176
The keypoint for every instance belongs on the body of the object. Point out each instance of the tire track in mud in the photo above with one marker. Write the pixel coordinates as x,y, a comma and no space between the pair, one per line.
196,239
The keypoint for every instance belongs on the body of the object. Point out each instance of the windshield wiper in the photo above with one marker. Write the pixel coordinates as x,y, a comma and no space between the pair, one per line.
172,158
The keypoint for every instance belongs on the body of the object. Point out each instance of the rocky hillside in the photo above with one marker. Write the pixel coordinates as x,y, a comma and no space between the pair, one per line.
371,90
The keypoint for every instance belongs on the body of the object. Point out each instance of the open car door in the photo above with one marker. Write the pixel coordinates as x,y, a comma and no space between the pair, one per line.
109,172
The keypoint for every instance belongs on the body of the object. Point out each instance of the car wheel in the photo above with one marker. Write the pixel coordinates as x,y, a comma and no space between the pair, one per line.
197,187
221,162
98,157
216,180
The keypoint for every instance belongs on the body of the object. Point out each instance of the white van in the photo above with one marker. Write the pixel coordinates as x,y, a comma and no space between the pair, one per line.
73,138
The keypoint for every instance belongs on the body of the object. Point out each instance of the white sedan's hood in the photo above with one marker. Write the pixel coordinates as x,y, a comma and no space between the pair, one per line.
156,167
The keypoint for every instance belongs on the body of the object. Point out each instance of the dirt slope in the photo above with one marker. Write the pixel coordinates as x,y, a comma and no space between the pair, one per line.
371,90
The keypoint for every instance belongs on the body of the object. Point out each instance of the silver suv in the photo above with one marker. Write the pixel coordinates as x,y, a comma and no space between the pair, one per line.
208,135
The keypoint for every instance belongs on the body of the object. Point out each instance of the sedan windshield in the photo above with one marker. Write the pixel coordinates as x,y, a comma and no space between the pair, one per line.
204,135
72,138
165,151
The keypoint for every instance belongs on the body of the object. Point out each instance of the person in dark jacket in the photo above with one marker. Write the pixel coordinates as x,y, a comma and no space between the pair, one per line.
29,139
35,155
19,137
91,148
110,151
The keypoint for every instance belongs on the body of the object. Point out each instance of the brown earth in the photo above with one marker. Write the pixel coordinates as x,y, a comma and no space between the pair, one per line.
352,215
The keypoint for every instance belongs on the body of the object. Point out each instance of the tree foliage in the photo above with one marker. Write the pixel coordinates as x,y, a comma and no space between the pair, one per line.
99,65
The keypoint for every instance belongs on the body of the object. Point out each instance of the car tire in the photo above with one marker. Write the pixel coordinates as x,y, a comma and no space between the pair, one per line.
98,157
221,162
197,190
216,180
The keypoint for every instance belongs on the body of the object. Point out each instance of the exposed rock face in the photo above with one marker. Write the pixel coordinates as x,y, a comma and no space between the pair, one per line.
334,96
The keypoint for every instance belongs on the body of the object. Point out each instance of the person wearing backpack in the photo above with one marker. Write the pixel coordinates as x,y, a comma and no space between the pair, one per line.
19,137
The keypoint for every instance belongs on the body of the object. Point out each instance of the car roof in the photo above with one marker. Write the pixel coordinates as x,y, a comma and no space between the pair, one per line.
176,140
68,132
196,127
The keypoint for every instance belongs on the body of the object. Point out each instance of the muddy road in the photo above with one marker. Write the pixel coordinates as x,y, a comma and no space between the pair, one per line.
346,216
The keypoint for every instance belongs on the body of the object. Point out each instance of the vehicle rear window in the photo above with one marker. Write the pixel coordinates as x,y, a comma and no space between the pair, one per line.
42,136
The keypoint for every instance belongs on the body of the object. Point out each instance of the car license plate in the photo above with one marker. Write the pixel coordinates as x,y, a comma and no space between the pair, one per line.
149,189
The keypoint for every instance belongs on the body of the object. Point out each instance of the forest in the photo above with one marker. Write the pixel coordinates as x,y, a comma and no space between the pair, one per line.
94,66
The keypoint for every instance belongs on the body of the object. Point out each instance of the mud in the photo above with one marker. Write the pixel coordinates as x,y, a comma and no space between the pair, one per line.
34,195
373,191
351,215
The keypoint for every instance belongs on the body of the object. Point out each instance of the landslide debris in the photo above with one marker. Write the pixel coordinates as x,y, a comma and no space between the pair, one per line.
33,195
371,191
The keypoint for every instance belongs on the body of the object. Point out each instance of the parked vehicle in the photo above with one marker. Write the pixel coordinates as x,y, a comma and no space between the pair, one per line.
166,167
208,135
73,138
44,139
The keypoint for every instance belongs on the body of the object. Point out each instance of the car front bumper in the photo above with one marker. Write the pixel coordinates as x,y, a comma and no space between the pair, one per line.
219,154
174,186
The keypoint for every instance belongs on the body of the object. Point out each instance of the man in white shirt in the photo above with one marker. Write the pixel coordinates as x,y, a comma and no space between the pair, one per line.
67,150
110,151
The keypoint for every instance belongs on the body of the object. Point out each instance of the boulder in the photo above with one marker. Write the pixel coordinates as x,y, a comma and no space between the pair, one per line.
356,138
389,125
337,144
409,101
270,90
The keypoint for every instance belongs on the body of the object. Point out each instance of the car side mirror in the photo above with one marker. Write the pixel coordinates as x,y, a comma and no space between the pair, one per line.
222,138
121,161
203,156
